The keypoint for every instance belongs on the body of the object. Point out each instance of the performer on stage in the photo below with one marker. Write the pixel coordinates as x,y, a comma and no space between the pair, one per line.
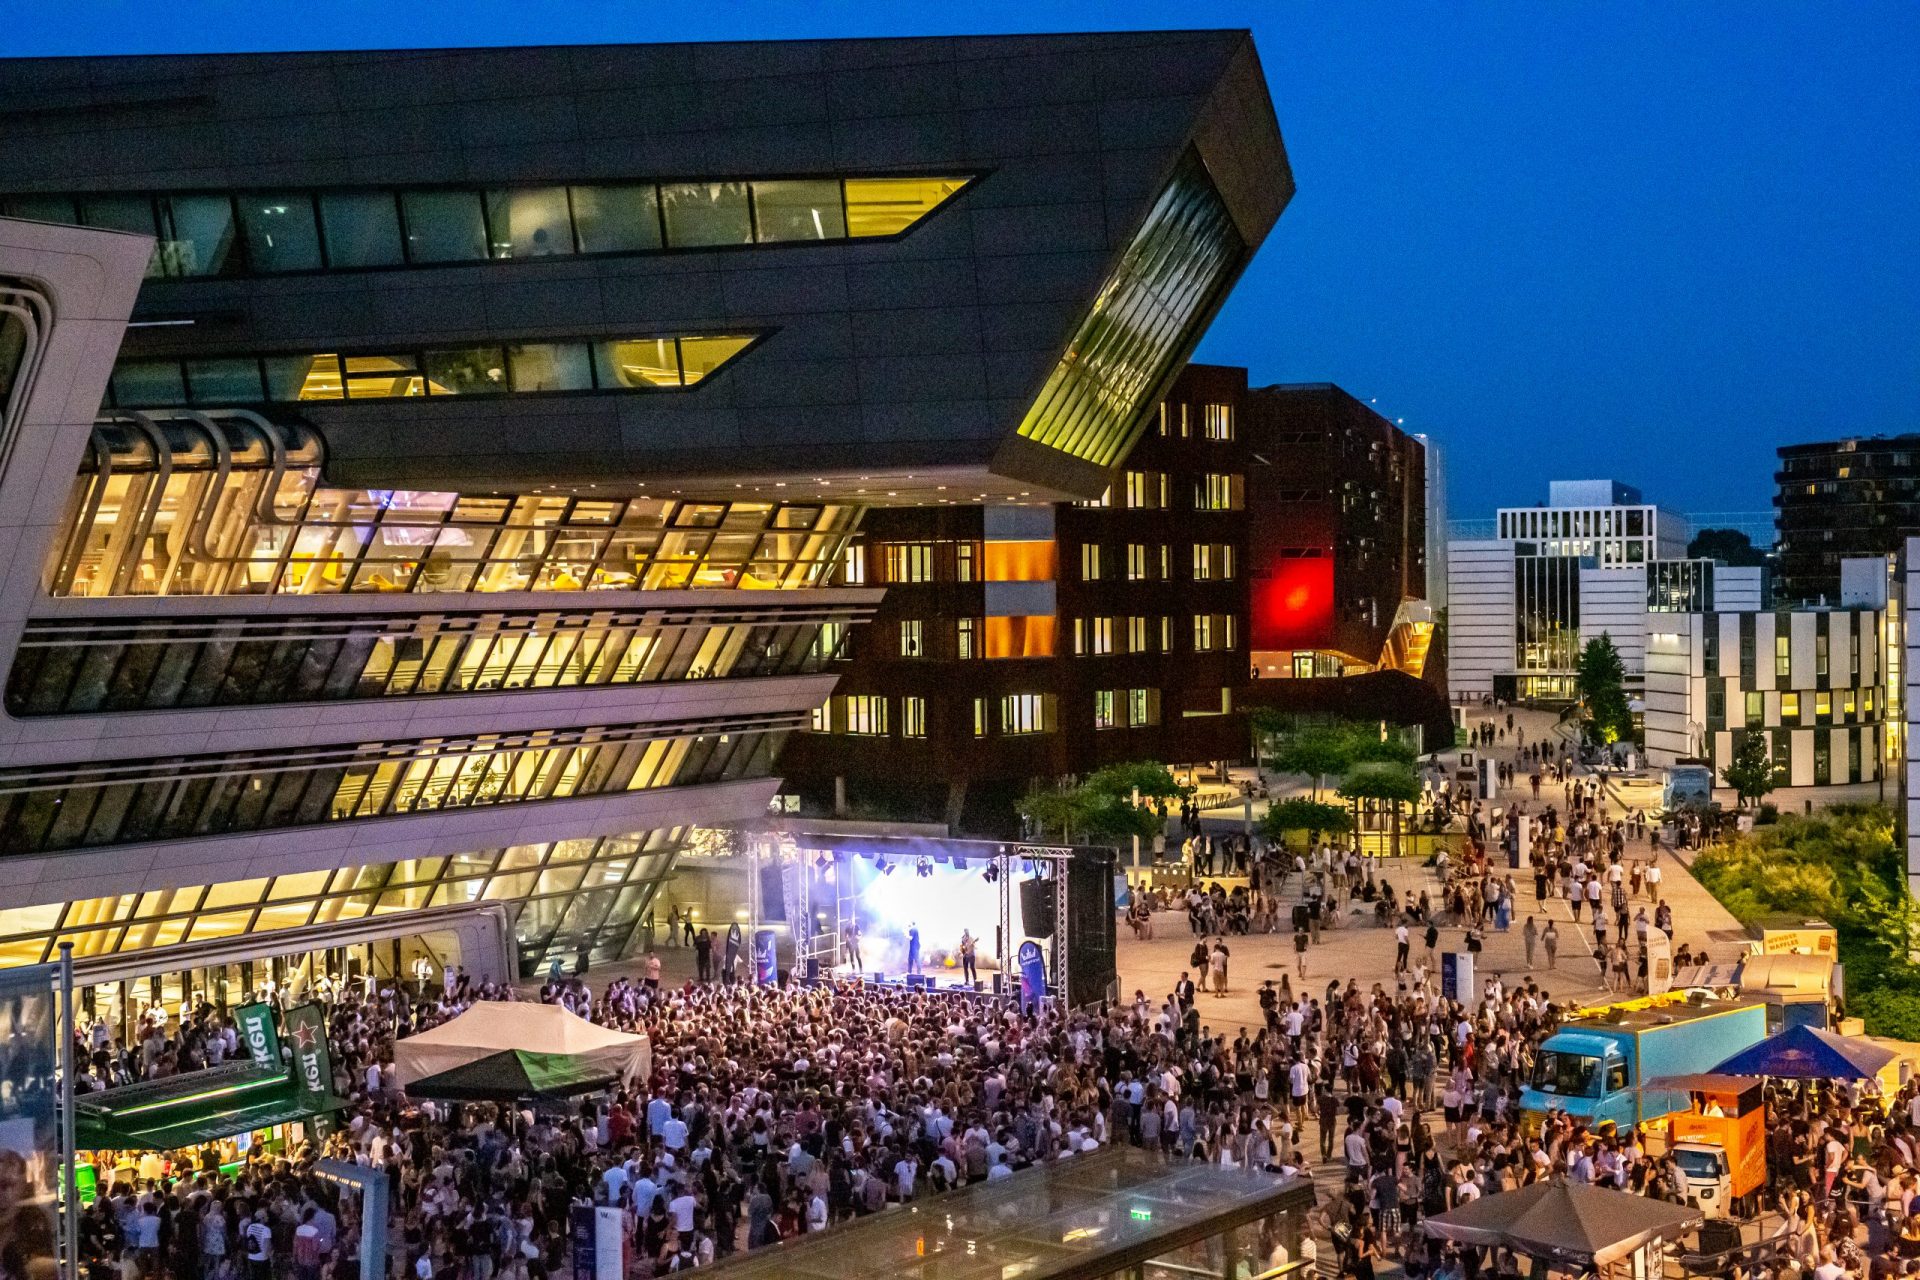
967,944
913,948
850,943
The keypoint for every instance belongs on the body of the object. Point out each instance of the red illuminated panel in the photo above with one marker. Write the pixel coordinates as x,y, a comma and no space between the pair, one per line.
1293,605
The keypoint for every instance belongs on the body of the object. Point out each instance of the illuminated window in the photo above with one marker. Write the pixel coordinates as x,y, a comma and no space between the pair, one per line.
1136,562
1137,635
1104,500
1782,659
865,714
913,717
1090,562
979,717
1027,636
831,642
853,564
626,364
1789,706
1849,704
823,717
1143,707
909,561
963,558
888,206
1022,713
1212,561
1031,561
1100,635
1820,655
1216,491
1161,418
1756,709
1220,706
964,639
1218,421
1146,490
912,641
1823,705
1212,631
1103,709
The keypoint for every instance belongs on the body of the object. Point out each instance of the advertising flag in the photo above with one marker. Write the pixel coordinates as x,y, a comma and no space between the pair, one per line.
257,1034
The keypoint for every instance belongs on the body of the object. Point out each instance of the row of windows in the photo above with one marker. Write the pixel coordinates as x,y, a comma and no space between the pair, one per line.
567,879
1013,714
1816,707
965,561
1125,708
56,672
1861,766
275,232
1216,421
179,508
1153,491
527,368
259,791
1152,562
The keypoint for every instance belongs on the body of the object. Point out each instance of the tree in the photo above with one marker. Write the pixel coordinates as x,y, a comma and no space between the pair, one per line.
1317,751
1152,781
1395,785
1315,817
1750,772
1728,546
1101,806
1600,680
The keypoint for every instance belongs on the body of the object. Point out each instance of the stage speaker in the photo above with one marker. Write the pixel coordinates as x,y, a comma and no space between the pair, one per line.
813,968
1036,907
1092,973
999,983
918,982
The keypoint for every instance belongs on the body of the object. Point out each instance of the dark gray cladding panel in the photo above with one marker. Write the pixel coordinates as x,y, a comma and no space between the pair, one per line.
921,349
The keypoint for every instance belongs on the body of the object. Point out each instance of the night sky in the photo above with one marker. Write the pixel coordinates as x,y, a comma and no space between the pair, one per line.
1643,241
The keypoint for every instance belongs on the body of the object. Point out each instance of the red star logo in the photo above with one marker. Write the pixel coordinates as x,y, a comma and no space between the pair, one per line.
303,1035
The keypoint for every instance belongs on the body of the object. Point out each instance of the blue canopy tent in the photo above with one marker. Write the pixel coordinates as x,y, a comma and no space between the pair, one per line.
1805,1053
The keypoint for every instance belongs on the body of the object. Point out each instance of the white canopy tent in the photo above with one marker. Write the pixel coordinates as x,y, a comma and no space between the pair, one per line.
548,1031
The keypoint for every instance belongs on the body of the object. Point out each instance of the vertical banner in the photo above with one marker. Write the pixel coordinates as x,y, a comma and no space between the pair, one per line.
793,897
1033,975
734,944
29,1112
766,966
609,1245
261,1041
580,1238
312,1062
1659,961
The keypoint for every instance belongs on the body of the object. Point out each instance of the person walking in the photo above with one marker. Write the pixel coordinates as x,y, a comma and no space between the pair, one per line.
1400,945
1530,935
1550,939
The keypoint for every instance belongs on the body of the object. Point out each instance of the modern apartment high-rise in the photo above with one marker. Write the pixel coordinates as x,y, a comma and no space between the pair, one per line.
424,471
1837,499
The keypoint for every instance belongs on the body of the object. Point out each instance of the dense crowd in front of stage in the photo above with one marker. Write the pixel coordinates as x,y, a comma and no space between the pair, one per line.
774,1112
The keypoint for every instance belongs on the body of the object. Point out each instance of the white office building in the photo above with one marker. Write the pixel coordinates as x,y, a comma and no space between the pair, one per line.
1596,559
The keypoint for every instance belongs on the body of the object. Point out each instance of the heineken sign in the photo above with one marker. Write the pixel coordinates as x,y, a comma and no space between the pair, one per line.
312,1065
261,1041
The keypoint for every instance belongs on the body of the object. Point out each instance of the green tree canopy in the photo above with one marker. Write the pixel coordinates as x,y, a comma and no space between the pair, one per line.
1600,680
1750,772
1153,781
1318,751
1395,782
1314,817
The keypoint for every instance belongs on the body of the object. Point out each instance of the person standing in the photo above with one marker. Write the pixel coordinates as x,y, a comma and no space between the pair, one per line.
913,948
968,943
1530,935
1400,945
1550,939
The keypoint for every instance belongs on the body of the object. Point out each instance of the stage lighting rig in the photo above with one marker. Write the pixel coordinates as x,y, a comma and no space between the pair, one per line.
992,873
923,867
886,868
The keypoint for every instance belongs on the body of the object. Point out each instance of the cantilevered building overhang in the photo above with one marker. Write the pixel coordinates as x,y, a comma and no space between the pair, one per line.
426,472
902,264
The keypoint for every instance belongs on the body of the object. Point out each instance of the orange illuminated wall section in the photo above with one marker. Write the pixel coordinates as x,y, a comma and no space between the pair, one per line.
1019,561
1030,636
1293,604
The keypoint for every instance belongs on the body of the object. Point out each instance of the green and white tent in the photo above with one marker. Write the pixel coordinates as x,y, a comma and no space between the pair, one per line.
504,1050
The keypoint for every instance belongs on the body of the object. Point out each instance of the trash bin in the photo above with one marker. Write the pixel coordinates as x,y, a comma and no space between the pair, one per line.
1717,1235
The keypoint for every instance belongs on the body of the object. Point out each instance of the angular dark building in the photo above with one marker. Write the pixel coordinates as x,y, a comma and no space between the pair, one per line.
1339,540
1841,498
428,475
1042,640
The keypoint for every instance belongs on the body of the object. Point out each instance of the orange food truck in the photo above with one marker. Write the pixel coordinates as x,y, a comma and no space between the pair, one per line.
1719,1142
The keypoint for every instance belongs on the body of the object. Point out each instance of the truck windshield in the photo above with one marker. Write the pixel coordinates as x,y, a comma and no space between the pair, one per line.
1571,1075
1699,1164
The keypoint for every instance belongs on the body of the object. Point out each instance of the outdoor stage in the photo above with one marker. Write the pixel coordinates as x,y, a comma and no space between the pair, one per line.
895,910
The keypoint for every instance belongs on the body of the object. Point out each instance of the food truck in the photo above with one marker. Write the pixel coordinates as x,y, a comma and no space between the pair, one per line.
1718,1141
1593,1067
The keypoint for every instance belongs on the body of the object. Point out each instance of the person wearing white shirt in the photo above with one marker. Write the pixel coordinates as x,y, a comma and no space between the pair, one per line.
680,1209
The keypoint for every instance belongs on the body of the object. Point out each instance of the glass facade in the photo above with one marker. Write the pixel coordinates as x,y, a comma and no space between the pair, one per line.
123,802
66,668
563,895
187,504
277,232
1096,399
1546,598
526,368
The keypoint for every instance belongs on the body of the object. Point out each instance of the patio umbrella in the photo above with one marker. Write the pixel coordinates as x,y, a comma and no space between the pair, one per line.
1807,1053
513,1074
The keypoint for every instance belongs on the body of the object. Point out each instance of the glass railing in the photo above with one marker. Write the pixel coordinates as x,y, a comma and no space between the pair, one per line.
281,232
186,503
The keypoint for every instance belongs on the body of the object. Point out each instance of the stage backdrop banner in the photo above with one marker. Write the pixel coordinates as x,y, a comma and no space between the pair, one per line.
1033,975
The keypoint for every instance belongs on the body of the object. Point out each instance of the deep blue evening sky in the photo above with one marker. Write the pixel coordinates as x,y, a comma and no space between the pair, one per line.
1647,241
